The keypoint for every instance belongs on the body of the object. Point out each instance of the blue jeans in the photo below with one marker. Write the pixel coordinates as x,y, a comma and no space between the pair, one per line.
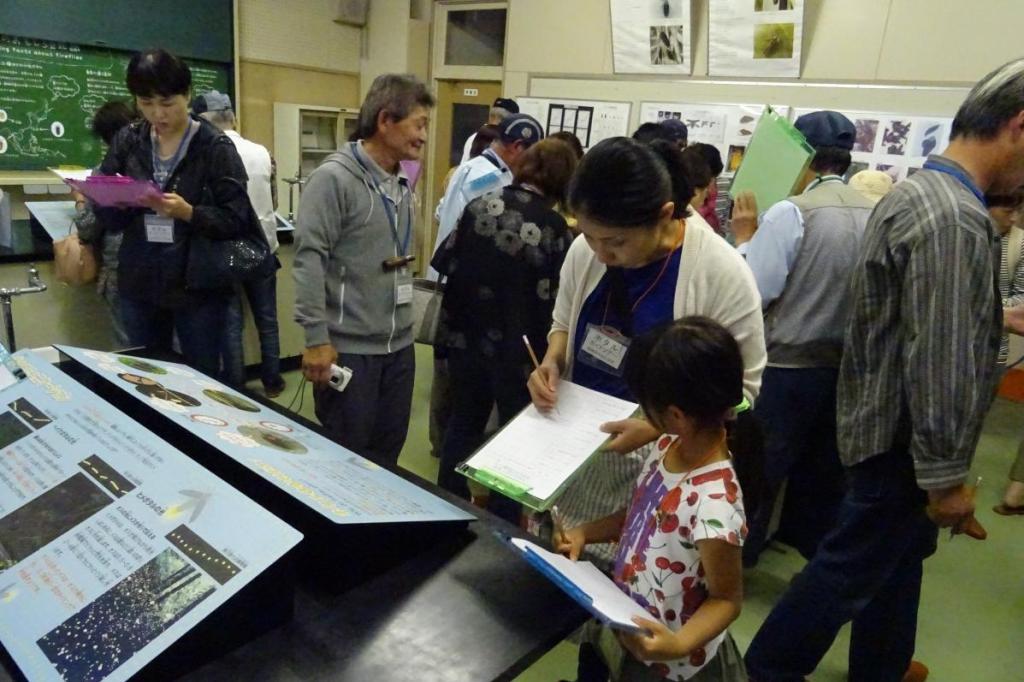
797,413
867,570
199,325
262,296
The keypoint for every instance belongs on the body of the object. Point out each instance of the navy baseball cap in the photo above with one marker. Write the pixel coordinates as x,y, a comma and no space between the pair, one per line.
508,105
211,101
520,128
676,129
827,129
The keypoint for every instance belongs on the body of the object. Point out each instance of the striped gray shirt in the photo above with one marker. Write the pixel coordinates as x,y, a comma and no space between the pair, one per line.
919,362
1010,288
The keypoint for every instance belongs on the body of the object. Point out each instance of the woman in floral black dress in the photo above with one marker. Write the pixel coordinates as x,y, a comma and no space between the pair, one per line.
502,264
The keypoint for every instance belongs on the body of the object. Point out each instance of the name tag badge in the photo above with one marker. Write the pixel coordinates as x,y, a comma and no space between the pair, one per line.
403,291
159,229
604,348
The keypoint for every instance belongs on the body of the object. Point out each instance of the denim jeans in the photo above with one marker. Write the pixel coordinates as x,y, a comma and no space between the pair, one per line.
262,297
199,325
867,570
797,413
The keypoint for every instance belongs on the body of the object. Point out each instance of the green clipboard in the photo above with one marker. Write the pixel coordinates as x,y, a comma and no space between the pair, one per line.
516,490
520,493
775,159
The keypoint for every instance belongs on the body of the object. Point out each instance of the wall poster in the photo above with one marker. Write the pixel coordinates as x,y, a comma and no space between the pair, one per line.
651,36
755,38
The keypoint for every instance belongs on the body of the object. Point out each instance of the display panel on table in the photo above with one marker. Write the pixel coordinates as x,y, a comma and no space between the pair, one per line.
342,502
120,555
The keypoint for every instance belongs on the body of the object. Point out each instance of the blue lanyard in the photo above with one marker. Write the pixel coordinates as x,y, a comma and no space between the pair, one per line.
959,175
390,208
176,159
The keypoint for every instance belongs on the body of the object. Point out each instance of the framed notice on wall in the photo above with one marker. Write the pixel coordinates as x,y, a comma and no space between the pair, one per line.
755,38
590,121
651,36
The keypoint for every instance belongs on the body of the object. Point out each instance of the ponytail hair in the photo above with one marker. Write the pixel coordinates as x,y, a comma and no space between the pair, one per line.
623,183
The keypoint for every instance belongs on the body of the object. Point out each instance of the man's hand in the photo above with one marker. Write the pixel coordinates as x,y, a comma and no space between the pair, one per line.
1013,319
951,507
661,644
316,363
543,386
628,435
744,217
170,205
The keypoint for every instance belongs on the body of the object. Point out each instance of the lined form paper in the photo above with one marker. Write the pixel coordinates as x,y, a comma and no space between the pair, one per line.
541,451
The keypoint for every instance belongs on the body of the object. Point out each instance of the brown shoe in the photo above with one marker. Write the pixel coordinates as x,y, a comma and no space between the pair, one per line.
1004,509
917,672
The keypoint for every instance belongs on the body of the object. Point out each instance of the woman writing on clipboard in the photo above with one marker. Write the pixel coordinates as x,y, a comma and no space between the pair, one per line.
203,182
644,259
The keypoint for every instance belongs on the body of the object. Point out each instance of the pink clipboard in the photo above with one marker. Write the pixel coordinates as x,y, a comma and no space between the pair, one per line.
114,190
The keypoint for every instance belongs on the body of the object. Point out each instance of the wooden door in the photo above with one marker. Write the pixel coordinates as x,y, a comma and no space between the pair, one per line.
462,107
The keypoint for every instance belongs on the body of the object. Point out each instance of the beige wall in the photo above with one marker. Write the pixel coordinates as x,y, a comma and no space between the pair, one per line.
933,41
263,84
298,32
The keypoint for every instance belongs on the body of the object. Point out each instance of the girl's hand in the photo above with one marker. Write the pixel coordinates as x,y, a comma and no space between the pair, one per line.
569,542
659,644
628,435
543,386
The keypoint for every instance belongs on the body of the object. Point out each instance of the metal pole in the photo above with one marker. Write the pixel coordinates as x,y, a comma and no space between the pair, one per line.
5,303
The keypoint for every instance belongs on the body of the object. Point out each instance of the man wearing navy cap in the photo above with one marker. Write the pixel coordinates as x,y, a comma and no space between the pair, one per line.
486,173
501,108
802,253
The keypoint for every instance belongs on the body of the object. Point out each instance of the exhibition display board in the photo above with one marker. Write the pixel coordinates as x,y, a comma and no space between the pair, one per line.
113,544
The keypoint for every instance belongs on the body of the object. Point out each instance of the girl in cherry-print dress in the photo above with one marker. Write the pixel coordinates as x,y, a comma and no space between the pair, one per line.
680,538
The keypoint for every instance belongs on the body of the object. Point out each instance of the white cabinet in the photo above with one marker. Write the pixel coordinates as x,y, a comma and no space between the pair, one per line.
303,136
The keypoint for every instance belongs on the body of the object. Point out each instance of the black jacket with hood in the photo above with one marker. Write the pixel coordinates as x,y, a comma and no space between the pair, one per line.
210,177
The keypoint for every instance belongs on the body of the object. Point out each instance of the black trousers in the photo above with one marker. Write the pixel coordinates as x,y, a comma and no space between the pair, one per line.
371,416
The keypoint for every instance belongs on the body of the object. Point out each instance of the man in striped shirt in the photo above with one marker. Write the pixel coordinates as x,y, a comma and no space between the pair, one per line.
917,376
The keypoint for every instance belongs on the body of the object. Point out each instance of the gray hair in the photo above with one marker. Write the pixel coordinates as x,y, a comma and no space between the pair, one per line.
499,113
993,101
395,94
222,118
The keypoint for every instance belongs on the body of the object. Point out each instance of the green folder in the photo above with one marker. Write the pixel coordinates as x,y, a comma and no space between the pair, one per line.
775,159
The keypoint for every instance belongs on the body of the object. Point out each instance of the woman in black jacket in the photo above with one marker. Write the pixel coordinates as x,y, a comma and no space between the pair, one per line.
502,263
203,182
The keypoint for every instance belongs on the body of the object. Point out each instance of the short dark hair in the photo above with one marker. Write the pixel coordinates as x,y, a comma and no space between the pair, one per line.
571,140
711,155
1010,200
623,183
395,94
693,363
695,167
157,72
549,166
649,132
110,118
831,160
487,134
993,101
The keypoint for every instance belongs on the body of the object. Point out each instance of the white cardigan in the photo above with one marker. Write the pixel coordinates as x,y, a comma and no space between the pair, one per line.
714,281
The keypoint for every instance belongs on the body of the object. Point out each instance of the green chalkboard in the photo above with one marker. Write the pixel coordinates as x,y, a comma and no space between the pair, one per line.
49,91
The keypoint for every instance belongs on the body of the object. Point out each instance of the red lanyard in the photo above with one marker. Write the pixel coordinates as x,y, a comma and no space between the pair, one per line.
653,284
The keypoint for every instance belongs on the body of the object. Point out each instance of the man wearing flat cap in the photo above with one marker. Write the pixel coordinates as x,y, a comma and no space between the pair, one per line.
802,253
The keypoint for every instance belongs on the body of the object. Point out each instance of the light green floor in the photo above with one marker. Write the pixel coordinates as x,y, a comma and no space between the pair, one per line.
971,626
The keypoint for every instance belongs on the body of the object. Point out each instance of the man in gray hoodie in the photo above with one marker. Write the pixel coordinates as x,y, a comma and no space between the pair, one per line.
352,271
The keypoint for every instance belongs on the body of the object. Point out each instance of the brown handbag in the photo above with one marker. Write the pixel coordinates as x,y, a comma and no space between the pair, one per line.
74,261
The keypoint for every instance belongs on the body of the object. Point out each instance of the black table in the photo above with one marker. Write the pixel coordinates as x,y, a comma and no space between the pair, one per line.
466,608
